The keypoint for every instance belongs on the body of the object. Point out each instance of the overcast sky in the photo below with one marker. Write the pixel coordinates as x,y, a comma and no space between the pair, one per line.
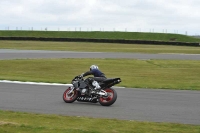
171,16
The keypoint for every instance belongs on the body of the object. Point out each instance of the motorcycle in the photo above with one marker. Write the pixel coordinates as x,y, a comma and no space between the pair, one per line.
82,91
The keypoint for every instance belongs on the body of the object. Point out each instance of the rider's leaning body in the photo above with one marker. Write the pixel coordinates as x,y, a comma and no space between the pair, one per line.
98,75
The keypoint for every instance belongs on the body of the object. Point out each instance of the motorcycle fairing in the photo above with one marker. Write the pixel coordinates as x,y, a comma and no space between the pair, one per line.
110,82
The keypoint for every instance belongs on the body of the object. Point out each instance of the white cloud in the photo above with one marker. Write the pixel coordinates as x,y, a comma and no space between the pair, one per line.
132,15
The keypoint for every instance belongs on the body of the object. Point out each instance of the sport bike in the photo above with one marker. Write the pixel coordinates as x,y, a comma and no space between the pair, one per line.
82,91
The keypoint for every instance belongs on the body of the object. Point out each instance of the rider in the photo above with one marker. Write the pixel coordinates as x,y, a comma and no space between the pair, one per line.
98,76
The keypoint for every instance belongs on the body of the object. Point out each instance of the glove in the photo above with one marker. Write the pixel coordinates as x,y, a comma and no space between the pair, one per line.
82,74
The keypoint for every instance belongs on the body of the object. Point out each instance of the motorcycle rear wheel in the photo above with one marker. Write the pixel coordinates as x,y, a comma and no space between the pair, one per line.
71,97
110,99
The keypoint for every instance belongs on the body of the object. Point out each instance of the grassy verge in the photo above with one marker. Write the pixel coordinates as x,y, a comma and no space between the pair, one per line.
97,47
15,122
165,74
101,35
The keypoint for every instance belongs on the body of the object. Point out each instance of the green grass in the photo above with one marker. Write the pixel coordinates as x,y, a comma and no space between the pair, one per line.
97,47
163,74
101,35
16,122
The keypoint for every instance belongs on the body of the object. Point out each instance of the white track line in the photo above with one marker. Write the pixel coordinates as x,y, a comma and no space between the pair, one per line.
41,83
34,83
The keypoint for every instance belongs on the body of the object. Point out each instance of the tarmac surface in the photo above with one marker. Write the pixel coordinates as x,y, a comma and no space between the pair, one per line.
174,106
6,54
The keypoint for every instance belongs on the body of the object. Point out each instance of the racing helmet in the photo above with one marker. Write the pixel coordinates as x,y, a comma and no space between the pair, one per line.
94,67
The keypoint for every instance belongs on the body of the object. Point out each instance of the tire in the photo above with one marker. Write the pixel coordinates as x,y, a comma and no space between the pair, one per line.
70,98
107,101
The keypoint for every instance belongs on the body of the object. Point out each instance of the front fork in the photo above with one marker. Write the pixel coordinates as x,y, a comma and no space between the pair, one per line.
71,90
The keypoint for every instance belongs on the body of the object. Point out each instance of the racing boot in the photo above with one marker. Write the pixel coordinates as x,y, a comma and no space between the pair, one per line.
96,85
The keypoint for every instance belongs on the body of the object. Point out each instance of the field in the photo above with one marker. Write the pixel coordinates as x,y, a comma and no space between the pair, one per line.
97,47
165,74
16,122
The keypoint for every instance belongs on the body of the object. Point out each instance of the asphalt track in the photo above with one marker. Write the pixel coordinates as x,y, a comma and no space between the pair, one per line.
176,106
24,54
132,104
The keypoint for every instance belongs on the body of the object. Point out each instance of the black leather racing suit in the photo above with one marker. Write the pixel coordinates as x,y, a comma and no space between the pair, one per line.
98,76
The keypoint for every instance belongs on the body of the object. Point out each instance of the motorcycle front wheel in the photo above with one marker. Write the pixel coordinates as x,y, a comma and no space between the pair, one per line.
110,99
70,97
